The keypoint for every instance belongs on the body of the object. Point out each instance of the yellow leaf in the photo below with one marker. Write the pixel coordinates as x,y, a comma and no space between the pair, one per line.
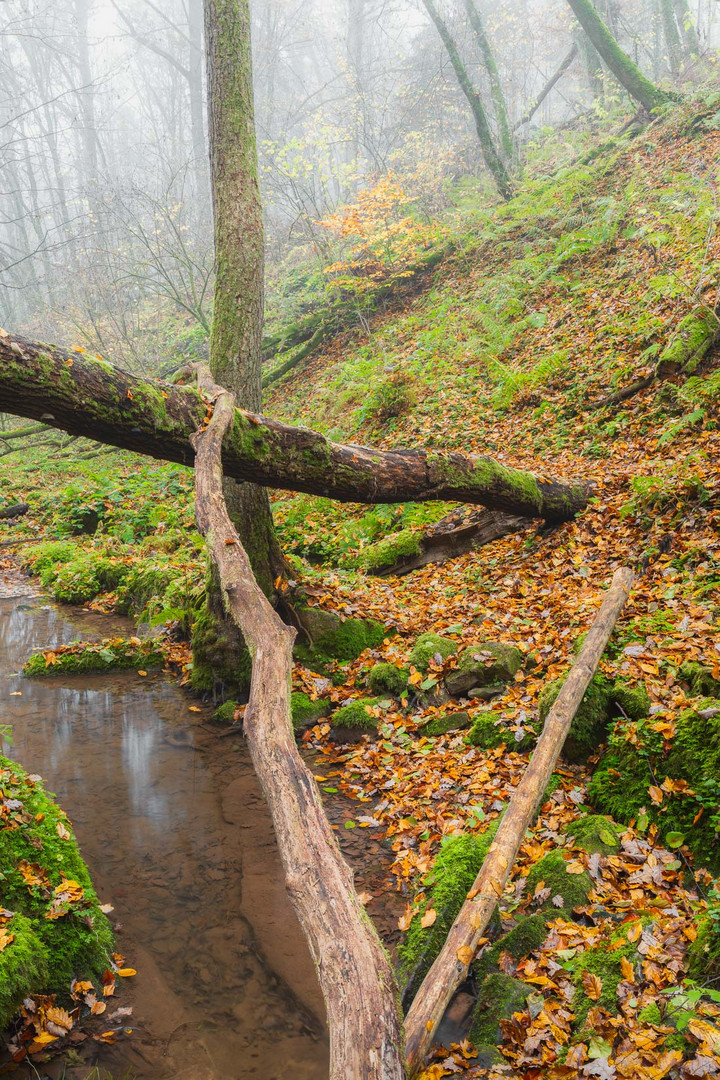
575,867
627,969
126,973
465,955
592,985
656,794
428,918
635,931
706,1033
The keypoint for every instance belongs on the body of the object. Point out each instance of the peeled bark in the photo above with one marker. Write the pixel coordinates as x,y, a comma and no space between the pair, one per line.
623,68
451,966
92,398
355,975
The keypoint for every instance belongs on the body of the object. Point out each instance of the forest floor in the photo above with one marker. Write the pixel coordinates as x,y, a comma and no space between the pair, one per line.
561,298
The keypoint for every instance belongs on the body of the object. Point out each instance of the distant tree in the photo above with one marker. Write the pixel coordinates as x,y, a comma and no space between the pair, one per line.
496,89
623,68
492,157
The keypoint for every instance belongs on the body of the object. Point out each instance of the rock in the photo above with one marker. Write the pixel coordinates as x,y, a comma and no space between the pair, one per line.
305,711
388,679
573,889
488,664
700,679
596,834
334,638
351,722
500,996
431,646
442,725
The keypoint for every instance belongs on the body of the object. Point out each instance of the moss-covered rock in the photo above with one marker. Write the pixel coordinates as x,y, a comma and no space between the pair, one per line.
633,700
596,834
84,657
606,965
487,733
60,932
590,722
490,663
388,679
334,638
306,712
572,889
225,713
524,938
391,550
500,996
354,720
24,965
431,646
443,725
621,782
699,679
456,867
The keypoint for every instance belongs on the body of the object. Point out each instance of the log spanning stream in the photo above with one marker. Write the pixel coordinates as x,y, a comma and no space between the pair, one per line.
175,832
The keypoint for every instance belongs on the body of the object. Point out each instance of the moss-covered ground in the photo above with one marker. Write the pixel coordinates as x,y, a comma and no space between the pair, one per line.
547,307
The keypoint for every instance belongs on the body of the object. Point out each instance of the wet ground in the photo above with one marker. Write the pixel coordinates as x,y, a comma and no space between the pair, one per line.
171,822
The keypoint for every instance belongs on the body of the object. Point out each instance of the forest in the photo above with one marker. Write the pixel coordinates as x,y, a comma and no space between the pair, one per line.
360,539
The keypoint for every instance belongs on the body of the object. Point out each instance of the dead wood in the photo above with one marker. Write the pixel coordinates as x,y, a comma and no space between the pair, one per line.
355,975
455,534
451,966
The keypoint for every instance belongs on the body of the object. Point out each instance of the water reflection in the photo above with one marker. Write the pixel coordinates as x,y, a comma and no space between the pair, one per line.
177,837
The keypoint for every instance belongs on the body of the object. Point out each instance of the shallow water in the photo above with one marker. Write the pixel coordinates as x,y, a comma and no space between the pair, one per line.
171,822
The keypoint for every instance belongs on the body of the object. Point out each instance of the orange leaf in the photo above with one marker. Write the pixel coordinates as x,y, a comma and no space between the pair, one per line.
627,969
428,918
465,955
592,985
656,794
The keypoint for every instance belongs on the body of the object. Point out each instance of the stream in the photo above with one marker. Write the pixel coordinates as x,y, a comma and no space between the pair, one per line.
171,822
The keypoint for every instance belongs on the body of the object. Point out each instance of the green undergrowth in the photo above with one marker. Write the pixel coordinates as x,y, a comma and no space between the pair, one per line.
59,932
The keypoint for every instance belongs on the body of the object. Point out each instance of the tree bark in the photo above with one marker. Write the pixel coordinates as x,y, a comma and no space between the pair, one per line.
236,333
672,35
623,68
490,154
90,397
496,91
451,967
355,975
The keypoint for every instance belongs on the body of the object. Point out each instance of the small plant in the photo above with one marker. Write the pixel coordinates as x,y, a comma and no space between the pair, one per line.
390,398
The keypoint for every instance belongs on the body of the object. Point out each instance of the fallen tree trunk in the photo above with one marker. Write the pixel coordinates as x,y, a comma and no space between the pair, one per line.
15,511
355,975
90,397
451,966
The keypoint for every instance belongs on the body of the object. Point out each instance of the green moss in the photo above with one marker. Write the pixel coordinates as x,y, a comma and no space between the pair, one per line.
596,834
225,713
79,941
704,952
633,700
49,554
574,889
523,939
456,867
219,657
335,639
700,679
388,679
695,751
356,716
305,711
442,725
108,655
487,664
500,996
24,967
386,552
590,722
650,1014
428,646
604,963
486,734
693,337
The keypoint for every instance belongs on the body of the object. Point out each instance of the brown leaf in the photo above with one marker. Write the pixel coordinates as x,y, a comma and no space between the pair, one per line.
592,985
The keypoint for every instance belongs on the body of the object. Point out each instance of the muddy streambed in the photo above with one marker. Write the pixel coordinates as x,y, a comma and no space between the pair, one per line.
171,822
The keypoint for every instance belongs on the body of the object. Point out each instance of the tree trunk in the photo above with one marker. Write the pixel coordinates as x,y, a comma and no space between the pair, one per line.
489,151
355,975
686,22
451,966
236,333
623,68
496,90
90,397
672,35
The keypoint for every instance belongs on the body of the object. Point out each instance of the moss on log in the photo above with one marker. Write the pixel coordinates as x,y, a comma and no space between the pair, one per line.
90,397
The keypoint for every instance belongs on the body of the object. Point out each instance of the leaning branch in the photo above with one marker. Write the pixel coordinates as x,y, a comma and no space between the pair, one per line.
90,397
353,968
451,967
552,81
